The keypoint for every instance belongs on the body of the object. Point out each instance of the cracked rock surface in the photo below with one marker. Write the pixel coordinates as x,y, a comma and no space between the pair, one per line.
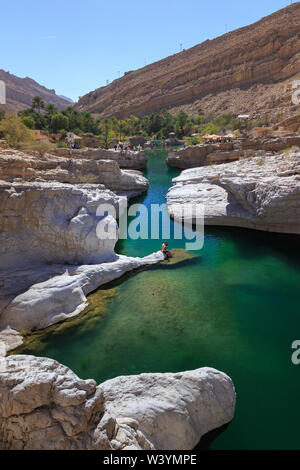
44,405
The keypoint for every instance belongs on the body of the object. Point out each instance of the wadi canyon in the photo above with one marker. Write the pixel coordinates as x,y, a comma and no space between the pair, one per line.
140,368
249,70
51,259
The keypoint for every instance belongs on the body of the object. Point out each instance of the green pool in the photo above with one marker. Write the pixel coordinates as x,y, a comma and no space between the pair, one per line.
235,307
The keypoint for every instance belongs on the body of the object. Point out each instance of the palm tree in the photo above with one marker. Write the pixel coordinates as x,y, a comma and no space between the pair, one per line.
37,103
51,109
105,126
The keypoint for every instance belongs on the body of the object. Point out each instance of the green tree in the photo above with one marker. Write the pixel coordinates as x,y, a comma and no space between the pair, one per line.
210,128
105,128
119,126
59,121
51,109
29,122
2,114
37,104
40,120
181,120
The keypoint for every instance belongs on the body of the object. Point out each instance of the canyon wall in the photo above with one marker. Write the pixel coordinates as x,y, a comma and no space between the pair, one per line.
247,70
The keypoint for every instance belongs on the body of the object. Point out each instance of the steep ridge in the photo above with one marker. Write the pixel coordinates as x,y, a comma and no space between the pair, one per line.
250,69
20,91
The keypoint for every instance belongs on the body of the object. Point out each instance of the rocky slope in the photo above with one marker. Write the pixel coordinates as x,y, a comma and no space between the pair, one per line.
258,193
44,405
248,70
20,91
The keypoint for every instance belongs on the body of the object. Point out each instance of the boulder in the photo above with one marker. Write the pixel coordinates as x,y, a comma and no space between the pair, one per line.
45,406
258,193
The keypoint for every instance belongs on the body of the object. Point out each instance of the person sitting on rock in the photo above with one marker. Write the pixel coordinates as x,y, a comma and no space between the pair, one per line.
165,250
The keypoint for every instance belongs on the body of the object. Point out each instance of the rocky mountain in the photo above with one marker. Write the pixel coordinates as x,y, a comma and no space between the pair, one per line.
20,91
66,98
248,70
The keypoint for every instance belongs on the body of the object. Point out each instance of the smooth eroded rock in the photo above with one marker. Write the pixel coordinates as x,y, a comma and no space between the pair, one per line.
44,405
258,193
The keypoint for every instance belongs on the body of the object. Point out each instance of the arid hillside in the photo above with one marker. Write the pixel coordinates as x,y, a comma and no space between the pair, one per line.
20,91
248,70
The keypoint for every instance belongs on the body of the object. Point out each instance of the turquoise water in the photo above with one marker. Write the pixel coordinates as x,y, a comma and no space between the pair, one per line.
235,307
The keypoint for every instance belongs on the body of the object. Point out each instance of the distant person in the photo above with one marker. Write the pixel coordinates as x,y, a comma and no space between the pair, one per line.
164,249
116,147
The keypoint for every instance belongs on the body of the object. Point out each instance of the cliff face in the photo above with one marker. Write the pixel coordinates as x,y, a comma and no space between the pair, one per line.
20,91
250,69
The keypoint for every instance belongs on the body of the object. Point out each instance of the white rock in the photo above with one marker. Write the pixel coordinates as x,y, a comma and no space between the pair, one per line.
262,193
44,405
51,254
63,296
53,223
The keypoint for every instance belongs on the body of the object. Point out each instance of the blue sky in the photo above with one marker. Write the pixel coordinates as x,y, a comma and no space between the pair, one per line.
75,46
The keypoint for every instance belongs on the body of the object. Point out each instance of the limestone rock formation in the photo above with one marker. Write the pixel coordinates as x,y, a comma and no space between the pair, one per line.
207,154
44,405
53,223
200,155
52,254
125,159
251,69
258,193
51,294
15,164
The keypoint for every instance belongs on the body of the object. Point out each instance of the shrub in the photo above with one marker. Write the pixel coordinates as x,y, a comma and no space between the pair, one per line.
15,132
61,145
289,150
39,146
237,134
260,161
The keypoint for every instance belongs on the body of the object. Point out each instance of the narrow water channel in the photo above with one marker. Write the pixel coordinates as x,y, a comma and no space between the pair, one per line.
234,307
